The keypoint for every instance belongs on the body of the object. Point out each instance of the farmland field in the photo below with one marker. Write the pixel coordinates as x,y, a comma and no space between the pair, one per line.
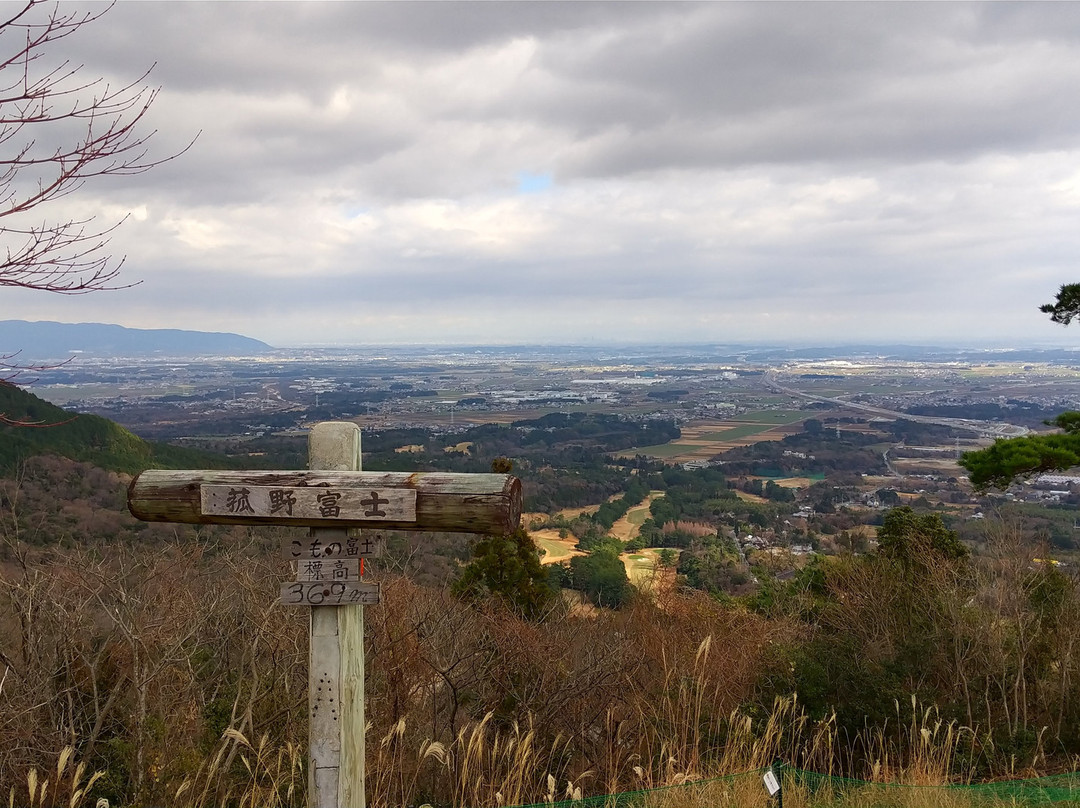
663,450
774,416
741,431
705,439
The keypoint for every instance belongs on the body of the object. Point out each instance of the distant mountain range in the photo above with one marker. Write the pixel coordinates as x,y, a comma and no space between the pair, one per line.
46,341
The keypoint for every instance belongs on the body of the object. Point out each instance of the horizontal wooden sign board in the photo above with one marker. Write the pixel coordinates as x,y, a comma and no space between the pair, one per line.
467,503
369,504
333,544
330,593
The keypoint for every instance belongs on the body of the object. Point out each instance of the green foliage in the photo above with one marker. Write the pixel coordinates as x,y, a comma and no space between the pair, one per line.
610,512
885,625
700,494
507,567
712,565
918,539
87,438
663,510
601,576
1067,421
1008,458
887,496
1066,305
601,431
804,596
778,493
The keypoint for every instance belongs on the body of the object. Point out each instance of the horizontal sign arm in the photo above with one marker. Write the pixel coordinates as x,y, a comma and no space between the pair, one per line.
467,503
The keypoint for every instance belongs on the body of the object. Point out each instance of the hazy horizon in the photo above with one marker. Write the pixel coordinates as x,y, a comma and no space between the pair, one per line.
532,172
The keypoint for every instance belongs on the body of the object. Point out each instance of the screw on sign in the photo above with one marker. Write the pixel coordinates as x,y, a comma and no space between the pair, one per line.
332,498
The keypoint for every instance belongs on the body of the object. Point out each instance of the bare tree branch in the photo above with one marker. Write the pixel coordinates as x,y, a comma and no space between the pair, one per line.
59,130
12,370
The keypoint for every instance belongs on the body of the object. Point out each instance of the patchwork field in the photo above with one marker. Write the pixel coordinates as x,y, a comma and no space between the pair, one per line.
705,439
640,566
945,466
746,496
629,525
555,549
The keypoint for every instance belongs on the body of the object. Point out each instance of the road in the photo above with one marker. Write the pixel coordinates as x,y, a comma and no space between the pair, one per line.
989,429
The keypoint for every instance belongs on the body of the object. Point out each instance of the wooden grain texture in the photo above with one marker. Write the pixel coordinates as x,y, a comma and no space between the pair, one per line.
338,780
458,503
352,792
330,594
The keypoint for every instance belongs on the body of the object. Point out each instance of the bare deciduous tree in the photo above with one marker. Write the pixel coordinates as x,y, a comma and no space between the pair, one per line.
58,130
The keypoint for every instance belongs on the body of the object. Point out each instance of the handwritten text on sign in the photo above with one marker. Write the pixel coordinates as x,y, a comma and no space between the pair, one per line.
338,593
317,569
327,544
309,502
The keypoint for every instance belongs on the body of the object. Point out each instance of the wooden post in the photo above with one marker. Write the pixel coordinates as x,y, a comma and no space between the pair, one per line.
422,501
332,497
336,672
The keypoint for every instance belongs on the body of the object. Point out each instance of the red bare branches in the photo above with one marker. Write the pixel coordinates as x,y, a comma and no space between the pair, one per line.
57,131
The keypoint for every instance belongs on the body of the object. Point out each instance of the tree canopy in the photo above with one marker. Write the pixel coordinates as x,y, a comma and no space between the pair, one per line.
509,568
1066,305
1009,458
918,539
999,465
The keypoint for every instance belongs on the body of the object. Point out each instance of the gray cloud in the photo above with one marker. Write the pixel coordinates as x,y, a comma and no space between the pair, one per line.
718,171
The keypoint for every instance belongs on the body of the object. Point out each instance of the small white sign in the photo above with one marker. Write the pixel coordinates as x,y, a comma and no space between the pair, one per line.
309,502
772,785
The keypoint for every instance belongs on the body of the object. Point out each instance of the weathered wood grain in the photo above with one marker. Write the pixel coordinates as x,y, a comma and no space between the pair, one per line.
467,503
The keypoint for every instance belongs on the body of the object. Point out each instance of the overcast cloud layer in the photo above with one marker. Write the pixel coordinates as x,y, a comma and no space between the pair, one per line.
574,172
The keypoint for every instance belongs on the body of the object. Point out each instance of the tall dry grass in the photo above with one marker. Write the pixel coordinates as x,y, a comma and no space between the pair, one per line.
270,777
175,674
66,785
488,765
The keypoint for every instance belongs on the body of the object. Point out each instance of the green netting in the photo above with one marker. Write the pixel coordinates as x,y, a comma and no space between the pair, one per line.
819,789
805,789
699,792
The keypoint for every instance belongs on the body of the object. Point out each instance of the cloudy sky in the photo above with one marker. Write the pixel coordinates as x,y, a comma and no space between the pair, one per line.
592,173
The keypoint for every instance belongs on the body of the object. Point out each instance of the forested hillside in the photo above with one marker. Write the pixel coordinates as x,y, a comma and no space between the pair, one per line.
159,654
30,426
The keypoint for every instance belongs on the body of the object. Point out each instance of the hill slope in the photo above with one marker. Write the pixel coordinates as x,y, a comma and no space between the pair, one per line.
87,438
45,341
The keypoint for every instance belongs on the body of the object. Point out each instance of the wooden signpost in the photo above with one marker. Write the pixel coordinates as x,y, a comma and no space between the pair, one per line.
332,498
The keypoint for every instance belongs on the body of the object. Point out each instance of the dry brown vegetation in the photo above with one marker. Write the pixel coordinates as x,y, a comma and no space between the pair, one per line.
176,676
173,672
166,670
